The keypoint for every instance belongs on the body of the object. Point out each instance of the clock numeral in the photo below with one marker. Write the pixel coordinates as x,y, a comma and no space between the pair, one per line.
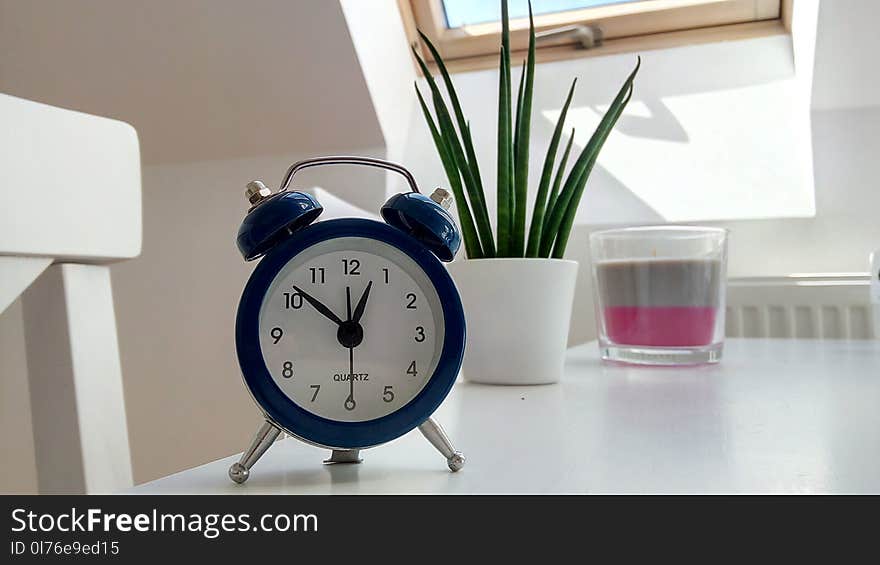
411,370
293,300
385,270
411,304
276,334
317,389
287,370
351,266
388,393
317,275
420,334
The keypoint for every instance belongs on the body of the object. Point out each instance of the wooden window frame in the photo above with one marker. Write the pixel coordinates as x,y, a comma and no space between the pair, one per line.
626,27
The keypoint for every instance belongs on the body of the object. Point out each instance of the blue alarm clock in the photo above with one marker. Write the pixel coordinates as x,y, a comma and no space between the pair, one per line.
349,332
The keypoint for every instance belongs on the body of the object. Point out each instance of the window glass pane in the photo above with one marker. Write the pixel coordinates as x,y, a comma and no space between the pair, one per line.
465,12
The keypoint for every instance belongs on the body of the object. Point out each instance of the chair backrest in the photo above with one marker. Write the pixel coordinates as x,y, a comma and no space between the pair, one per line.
70,184
70,190
70,202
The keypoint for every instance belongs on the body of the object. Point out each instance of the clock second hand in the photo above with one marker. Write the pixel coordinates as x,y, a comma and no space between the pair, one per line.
350,402
354,318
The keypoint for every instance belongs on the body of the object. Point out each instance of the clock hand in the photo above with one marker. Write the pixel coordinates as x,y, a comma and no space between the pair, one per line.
318,306
362,303
349,402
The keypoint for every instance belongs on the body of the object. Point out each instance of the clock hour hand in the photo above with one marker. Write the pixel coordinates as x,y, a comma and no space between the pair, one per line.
318,306
362,303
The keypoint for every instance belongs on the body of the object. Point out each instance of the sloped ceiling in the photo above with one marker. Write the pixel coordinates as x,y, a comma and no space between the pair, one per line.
198,79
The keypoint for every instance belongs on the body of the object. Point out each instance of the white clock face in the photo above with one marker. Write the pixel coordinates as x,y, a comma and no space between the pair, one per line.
351,329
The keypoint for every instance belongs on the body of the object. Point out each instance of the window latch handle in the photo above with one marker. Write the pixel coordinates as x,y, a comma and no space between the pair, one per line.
585,36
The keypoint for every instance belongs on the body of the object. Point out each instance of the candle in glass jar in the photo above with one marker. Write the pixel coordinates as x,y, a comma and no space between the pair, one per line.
660,302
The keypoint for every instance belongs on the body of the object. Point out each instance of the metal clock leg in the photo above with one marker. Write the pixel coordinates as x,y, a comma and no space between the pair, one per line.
266,436
435,434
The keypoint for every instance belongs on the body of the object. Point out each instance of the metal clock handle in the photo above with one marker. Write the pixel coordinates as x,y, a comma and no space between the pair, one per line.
348,160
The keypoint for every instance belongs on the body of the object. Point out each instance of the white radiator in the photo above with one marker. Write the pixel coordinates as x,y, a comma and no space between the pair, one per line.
805,306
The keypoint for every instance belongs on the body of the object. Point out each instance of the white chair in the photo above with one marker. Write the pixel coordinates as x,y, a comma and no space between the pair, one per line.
70,204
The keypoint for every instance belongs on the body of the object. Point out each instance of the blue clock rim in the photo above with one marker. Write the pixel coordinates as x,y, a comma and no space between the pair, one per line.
323,431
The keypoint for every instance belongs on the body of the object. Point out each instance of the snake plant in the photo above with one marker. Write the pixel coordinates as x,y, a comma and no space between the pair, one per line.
559,193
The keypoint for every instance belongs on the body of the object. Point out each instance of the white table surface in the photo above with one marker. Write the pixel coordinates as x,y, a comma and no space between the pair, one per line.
792,416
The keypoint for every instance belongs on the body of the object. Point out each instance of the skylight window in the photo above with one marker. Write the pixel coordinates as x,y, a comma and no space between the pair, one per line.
460,13
471,29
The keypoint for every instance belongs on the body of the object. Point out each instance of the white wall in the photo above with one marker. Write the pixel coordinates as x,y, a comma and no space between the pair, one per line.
198,79
845,99
845,230
379,40
845,75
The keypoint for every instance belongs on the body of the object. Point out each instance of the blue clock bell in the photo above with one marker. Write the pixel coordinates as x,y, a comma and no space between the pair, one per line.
349,332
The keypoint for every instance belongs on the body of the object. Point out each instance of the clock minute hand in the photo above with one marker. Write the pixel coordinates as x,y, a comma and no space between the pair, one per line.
362,303
318,306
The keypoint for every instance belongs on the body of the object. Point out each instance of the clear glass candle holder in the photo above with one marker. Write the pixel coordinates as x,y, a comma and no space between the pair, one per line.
660,294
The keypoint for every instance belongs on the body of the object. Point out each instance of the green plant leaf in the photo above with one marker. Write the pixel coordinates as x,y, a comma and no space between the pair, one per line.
473,179
521,159
453,146
557,181
504,165
571,209
468,231
564,230
519,98
577,178
546,176
505,145
514,203
592,150
511,163
489,248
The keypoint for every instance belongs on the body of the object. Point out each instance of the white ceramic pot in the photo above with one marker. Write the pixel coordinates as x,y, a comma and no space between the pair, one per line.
518,312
